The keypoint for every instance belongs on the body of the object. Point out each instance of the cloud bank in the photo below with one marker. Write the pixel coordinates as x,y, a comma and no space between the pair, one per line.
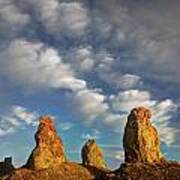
107,56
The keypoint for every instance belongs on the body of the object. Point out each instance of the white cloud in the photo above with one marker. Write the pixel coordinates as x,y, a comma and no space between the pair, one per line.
16,117
81,58
102,63
65,126
4,132
123,81
94,134
101,25
34,65
126,81
146,52
62,17
12,15
21,113
127,100
89,103
12,19
119,155
114,153
86,60
162,111
153,52
111,146
73,16
115,120
162,114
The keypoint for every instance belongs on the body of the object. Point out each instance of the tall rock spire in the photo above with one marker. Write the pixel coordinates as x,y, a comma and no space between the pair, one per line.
49,150
141,141
92,154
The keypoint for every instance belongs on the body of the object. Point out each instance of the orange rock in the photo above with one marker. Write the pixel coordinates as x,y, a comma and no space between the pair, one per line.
49,150
92,155
67,171
141,141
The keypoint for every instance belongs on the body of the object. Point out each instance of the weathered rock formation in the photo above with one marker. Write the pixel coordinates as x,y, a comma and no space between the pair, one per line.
66,171
147,171
143,159
92,155
141,141
49,150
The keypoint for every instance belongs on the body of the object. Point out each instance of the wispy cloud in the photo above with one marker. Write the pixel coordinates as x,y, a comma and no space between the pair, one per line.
65,126
110,146
94,134
16,117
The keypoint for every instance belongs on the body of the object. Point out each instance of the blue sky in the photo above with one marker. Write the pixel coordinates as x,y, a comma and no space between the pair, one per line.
87,64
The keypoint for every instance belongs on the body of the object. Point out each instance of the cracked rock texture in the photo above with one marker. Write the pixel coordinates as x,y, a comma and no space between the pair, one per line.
141,140
92,155
143,159
49,150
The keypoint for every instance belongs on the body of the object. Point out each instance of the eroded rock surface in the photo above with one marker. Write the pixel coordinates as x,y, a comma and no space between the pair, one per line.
92,155
143,159
141,141
66,171
49,150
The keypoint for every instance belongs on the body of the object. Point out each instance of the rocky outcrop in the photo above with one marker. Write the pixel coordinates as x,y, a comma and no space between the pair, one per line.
66,171
143,159
141,141
92,155
49,150
147,171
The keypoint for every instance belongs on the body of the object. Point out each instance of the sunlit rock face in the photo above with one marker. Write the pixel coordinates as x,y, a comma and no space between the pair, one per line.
141,140
92,155
143,159
49,150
